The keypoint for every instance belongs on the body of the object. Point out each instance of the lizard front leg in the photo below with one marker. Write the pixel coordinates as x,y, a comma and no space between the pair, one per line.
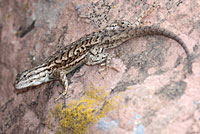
63,78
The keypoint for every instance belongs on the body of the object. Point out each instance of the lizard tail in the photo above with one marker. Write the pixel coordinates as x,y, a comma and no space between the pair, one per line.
155,30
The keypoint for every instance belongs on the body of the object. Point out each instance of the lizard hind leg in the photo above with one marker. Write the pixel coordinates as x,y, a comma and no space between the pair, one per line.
146,13
138,22
98,56
107,64
104,59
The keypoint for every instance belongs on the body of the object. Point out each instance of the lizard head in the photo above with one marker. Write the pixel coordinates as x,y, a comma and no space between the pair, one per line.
32,77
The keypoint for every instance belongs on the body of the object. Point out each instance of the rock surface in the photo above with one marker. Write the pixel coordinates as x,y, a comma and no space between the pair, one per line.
155,95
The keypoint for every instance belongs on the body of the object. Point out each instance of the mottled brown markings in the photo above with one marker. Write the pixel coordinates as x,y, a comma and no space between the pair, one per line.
77,51
65,56
107,41
83,42
52,64
72,56
84,48
71,65
80,48
59,59
88,44
71,52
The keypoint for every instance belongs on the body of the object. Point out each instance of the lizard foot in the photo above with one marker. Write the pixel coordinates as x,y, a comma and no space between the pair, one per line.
62,95
107,65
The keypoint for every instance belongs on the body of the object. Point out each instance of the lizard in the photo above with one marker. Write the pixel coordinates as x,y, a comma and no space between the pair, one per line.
90,50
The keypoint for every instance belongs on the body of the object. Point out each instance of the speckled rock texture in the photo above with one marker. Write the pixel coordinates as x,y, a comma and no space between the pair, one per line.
157,96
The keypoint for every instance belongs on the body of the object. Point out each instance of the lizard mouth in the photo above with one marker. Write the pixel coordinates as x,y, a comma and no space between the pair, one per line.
19,85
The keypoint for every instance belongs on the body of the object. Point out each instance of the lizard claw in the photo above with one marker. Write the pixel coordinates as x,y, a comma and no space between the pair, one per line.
62,96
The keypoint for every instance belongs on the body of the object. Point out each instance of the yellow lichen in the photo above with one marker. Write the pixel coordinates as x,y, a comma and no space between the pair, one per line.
80,114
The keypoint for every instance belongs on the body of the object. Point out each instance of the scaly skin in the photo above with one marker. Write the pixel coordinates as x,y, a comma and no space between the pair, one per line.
77,53
90,50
